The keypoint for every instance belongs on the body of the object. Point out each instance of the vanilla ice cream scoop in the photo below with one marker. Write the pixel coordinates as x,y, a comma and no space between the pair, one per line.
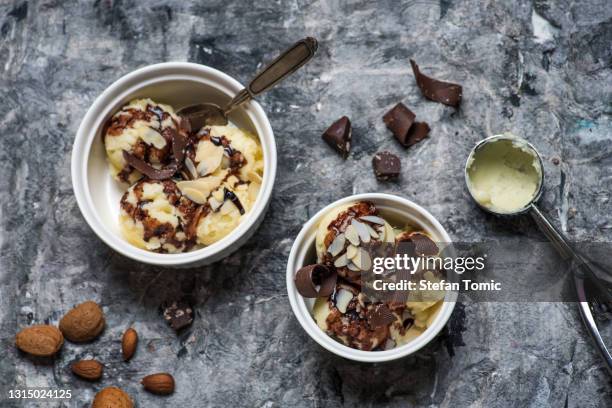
155,216
144,129
504,174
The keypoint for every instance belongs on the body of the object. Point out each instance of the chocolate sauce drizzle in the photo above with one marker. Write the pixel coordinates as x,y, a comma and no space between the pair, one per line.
229,195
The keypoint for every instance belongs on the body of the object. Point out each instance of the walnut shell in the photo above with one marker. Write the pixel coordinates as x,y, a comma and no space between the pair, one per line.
112,397
83,323
39,340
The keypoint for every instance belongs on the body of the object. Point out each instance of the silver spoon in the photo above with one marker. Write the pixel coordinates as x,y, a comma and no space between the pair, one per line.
586,272
284,65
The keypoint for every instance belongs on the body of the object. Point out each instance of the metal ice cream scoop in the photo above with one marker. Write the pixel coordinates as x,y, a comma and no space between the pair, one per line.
284,65
592,281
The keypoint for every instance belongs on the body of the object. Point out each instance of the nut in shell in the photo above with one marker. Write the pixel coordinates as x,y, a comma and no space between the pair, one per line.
112,397
39,340
88,369
83,323
160,383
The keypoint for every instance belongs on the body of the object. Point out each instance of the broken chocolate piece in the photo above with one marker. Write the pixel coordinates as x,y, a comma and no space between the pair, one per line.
380,315
338,136
438,91
423,245
399,120
178,314
417,132
309,277
386,165
148,170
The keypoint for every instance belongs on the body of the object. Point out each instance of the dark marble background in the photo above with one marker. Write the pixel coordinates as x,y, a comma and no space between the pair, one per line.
541,69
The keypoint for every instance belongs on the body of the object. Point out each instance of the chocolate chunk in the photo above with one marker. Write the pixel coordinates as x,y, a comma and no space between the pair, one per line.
178,314
417,132
423,245
309,277
399,120
380,315
338,136
386,165
438,91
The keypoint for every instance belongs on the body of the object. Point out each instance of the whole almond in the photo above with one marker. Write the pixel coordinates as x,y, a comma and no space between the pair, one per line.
160,383
88,369
39,340
83,323
112,397
128,343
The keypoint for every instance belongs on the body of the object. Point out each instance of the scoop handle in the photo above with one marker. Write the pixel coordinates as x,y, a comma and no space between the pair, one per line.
582,269
284,65
552,233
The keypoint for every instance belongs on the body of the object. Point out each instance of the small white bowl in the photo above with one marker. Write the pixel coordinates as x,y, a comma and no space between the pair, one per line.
178,84
303,250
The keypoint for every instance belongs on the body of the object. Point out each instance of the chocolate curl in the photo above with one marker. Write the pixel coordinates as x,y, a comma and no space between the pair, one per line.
423,245
435,90
399,120
309,277
379,316
148,170
179,142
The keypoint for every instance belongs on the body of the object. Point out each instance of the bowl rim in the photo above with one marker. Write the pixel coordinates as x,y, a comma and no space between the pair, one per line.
300,309
131,82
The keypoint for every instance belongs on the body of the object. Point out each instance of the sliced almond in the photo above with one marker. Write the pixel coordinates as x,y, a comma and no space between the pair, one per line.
389,233
214,203
218,195
204,185
373,219
193,172
341,261
364,234
194,195
362,260
353,267
343,298
337,245
352,235
208,156
254,191
351,251
254,177
372,231
228,207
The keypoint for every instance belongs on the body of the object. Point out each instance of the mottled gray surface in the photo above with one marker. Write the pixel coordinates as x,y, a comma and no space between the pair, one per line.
541,70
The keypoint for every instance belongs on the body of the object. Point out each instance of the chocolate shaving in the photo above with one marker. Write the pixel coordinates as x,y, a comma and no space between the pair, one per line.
148,170
399,120
229,195
423,245
380,315
435,90
338,136
179,142
309,277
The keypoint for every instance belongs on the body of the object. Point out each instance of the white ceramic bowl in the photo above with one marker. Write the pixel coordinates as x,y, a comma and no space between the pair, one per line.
303,251
178,84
